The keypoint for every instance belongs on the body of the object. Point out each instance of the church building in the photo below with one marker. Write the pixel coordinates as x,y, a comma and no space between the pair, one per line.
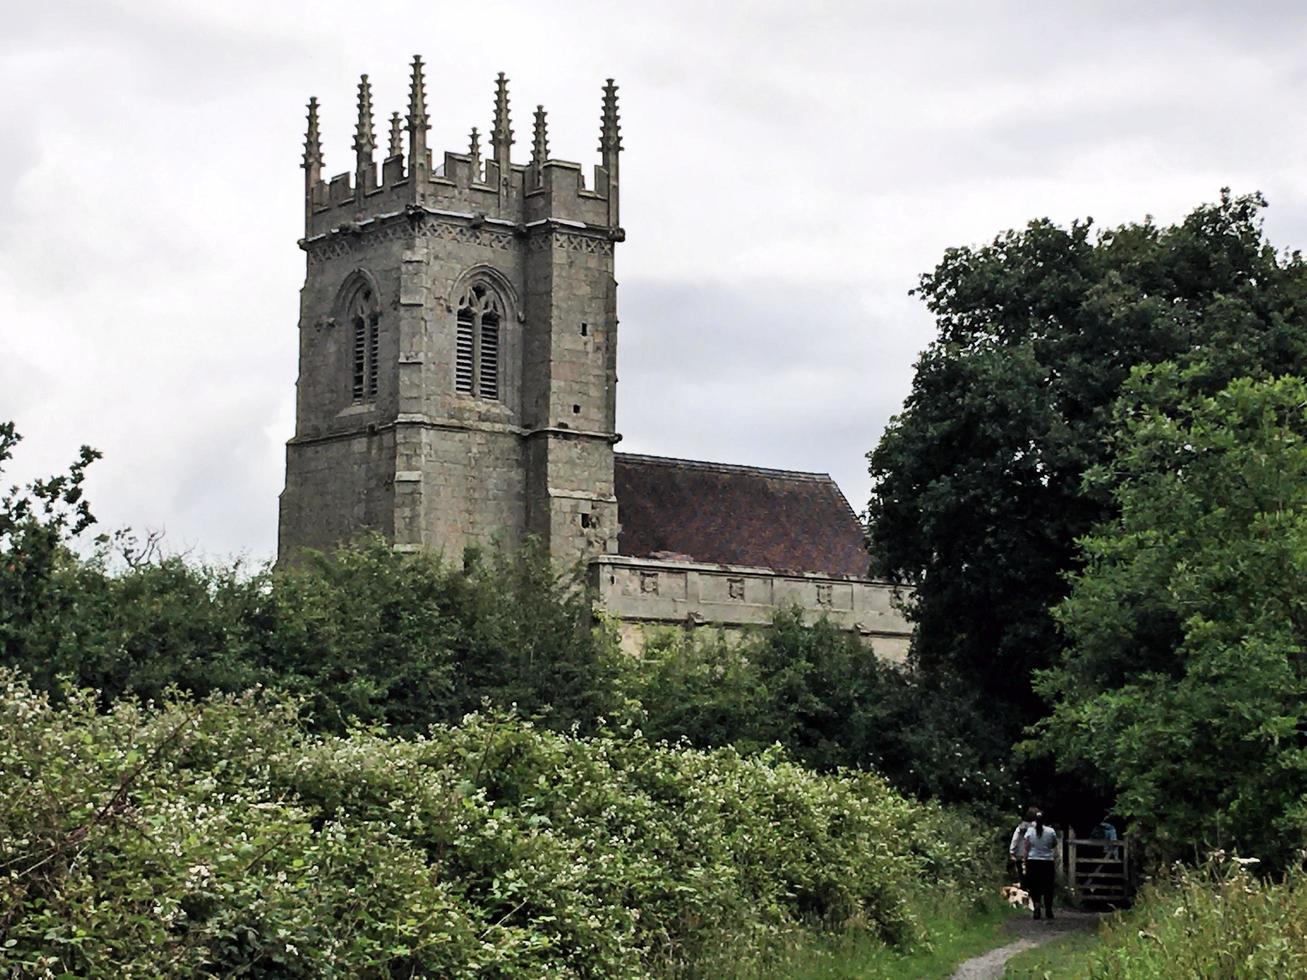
458,387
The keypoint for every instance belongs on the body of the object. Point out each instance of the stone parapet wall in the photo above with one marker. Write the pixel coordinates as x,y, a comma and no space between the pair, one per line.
644,593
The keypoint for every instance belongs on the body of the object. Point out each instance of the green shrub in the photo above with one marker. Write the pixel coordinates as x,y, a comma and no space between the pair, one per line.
222,837
367,634
819,692
36,522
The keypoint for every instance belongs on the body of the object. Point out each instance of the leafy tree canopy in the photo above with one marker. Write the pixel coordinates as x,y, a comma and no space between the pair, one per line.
36,524
816,690
1184,686
978,497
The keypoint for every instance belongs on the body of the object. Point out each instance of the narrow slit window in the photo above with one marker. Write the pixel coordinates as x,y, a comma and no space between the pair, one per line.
477,343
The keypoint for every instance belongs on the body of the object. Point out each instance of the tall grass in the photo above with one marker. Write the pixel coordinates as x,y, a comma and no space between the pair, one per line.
954,927
1220,920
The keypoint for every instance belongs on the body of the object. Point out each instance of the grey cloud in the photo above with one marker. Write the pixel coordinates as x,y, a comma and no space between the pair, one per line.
170,49
789,170
21,385
761,374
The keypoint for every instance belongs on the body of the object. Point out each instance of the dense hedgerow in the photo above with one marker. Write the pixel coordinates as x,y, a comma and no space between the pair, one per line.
220,837
371,636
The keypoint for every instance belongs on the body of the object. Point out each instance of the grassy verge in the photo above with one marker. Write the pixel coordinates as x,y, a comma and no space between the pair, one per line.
1065,958
954,933
1215,921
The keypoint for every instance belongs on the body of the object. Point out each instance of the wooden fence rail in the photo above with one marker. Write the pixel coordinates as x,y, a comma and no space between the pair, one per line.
1096,871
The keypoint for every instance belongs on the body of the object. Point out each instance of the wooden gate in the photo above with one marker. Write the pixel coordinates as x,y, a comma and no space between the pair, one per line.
1097,871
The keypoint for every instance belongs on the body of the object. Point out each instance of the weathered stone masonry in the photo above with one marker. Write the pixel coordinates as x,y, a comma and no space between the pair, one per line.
417,460
457,387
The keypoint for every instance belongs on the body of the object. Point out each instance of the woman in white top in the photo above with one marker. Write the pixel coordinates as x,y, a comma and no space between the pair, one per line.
1040,851
1017,847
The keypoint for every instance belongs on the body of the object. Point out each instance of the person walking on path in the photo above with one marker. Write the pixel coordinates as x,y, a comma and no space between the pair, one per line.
1016,849
1040,851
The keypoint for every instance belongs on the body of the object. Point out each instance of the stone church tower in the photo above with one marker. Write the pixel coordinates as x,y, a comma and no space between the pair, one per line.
457,342
457,388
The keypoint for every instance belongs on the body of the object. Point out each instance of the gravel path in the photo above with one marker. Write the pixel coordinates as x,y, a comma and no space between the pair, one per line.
1026,932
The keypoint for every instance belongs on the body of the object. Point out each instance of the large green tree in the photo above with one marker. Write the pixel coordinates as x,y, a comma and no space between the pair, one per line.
978,493
1184,686
37,524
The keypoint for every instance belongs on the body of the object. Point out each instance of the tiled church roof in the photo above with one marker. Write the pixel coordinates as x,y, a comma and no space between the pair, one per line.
736,515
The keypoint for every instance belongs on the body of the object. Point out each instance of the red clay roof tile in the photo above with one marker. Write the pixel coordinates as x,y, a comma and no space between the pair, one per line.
736,515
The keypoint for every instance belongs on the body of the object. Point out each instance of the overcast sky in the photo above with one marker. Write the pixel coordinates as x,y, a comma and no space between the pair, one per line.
789,170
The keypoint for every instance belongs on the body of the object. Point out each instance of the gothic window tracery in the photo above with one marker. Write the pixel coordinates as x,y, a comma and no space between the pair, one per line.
477,342
364,321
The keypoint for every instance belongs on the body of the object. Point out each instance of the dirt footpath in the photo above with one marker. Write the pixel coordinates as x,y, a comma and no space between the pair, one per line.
1025,932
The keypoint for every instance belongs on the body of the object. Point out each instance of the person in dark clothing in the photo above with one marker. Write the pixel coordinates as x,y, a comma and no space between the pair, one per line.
1040,852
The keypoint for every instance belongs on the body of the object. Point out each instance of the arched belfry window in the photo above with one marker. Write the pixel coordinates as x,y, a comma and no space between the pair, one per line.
364,318
477,346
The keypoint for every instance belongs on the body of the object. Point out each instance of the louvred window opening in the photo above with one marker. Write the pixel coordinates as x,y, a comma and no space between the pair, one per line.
477,343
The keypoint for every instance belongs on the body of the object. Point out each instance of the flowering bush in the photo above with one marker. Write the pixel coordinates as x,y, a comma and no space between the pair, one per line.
220,837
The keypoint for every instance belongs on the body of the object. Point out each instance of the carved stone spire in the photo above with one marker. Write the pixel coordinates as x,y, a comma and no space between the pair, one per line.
312,162
474,152
610,146
610,132
312,147
396,136
365,137
419,166
501,136
539,144
540,138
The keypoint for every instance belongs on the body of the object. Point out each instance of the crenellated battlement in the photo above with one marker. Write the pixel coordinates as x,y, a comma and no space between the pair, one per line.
468,185
458,337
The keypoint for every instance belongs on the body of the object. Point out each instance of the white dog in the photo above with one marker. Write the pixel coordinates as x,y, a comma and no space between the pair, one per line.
1016,896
